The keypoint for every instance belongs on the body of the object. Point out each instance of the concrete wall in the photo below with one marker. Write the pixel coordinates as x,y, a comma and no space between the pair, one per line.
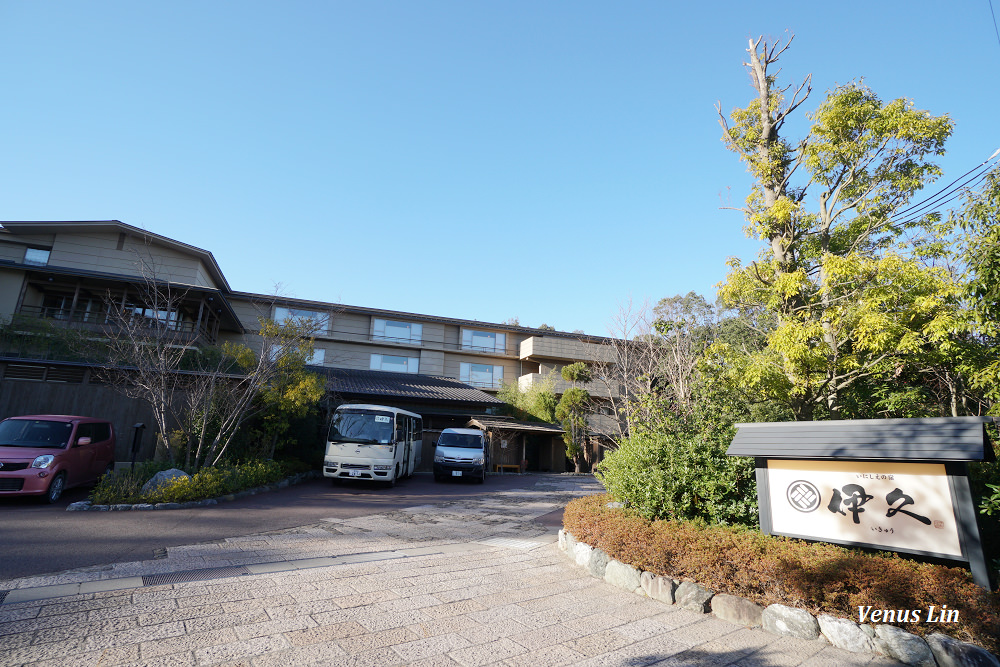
567,349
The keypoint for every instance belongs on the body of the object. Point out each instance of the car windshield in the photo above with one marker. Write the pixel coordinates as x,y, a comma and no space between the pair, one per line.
466,440
34,433
373,428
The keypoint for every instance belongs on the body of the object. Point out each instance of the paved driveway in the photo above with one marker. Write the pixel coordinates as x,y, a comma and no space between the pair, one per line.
461,581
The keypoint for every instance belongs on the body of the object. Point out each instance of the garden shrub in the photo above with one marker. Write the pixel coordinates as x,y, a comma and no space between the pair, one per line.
822,578
681,475
125,486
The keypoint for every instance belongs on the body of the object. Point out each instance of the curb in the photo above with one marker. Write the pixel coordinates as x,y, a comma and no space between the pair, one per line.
86,506
883,639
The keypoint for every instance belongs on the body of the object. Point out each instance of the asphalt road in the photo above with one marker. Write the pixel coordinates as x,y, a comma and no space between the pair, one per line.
40,539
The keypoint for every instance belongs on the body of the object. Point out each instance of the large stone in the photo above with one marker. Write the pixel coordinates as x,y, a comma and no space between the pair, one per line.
598,563
790,622
581,554
163,478
81,506
952,653
693,597
904,646
658,588
570,545
845,634
737,610
622,576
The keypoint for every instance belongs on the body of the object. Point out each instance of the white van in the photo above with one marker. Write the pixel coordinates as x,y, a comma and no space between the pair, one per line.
373,442
461,452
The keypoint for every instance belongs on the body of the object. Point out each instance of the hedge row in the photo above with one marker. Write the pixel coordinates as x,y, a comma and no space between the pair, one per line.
821,578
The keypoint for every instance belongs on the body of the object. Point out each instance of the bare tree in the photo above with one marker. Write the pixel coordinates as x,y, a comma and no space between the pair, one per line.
686,326
162,355
629,366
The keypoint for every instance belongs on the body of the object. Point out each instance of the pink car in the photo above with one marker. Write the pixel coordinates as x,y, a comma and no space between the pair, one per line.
46,454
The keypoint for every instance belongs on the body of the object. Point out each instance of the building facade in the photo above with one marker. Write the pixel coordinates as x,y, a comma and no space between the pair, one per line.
72,274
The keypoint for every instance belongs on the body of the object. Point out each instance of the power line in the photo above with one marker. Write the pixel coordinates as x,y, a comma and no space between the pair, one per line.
993,14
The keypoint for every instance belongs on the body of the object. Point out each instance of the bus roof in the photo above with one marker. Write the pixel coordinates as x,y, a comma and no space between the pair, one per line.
383,408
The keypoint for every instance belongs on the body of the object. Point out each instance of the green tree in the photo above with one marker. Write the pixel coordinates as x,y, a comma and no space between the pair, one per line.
852,283
538,402
572,414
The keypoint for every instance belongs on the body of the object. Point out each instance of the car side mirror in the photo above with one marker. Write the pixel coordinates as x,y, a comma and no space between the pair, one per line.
82,442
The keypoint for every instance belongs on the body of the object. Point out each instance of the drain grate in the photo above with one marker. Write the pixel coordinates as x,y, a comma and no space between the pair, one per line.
3,596
194,575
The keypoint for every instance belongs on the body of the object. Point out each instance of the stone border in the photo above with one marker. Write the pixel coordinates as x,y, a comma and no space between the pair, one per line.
86,506
937,650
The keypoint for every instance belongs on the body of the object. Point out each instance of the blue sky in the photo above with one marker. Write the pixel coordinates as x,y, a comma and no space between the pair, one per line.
545,160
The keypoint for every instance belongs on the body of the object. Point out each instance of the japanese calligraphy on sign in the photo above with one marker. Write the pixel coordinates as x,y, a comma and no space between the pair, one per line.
901,506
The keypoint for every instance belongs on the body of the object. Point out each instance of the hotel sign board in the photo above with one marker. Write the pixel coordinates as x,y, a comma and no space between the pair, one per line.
880,484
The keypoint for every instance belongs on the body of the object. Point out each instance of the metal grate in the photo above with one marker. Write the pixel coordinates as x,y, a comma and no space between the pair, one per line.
20,372
194,575
3,596
11,484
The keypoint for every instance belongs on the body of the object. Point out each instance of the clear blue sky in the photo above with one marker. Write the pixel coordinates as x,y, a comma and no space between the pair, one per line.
482,160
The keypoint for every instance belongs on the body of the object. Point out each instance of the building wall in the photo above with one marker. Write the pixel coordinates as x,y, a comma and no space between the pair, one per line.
99,252
11,281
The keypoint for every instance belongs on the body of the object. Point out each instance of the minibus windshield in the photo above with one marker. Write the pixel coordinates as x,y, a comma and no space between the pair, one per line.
373,428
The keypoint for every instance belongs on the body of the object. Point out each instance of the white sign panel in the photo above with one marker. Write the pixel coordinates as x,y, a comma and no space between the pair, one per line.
904,506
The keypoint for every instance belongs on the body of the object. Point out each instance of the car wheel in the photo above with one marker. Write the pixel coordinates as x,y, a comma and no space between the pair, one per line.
56,487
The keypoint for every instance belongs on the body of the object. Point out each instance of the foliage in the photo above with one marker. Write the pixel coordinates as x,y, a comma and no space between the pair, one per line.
852,283
677,468
125,486
537,403
821,578
577,373
572,414
545,327
245,382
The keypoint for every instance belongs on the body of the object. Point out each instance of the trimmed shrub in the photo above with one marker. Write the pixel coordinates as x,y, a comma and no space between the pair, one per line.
682,475
822,578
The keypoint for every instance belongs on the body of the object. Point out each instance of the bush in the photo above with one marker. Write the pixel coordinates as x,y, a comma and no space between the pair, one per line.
681,475
125,486
822,578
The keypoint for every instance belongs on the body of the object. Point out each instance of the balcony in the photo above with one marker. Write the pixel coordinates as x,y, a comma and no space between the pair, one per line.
28,318
563,349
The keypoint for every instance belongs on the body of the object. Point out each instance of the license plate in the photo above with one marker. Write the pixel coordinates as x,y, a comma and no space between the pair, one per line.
354,473
456,473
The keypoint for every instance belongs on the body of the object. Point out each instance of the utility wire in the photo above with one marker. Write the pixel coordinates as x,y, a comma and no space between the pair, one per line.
948,193
993,14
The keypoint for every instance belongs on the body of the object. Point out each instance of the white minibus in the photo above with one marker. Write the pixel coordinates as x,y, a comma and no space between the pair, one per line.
373,442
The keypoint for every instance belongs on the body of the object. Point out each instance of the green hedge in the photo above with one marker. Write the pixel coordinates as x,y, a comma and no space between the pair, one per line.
822,578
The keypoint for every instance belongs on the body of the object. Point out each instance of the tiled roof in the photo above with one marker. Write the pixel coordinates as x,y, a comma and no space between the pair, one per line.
497,423
404,385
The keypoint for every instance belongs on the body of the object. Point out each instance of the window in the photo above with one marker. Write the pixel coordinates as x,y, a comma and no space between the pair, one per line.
397,332
388,362
36,256
481,375
483,341
320,320
316,359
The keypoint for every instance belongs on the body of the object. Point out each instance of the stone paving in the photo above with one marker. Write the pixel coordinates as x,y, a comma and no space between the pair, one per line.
471,582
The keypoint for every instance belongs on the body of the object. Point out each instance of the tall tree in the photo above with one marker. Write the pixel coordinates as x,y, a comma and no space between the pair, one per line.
852,281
